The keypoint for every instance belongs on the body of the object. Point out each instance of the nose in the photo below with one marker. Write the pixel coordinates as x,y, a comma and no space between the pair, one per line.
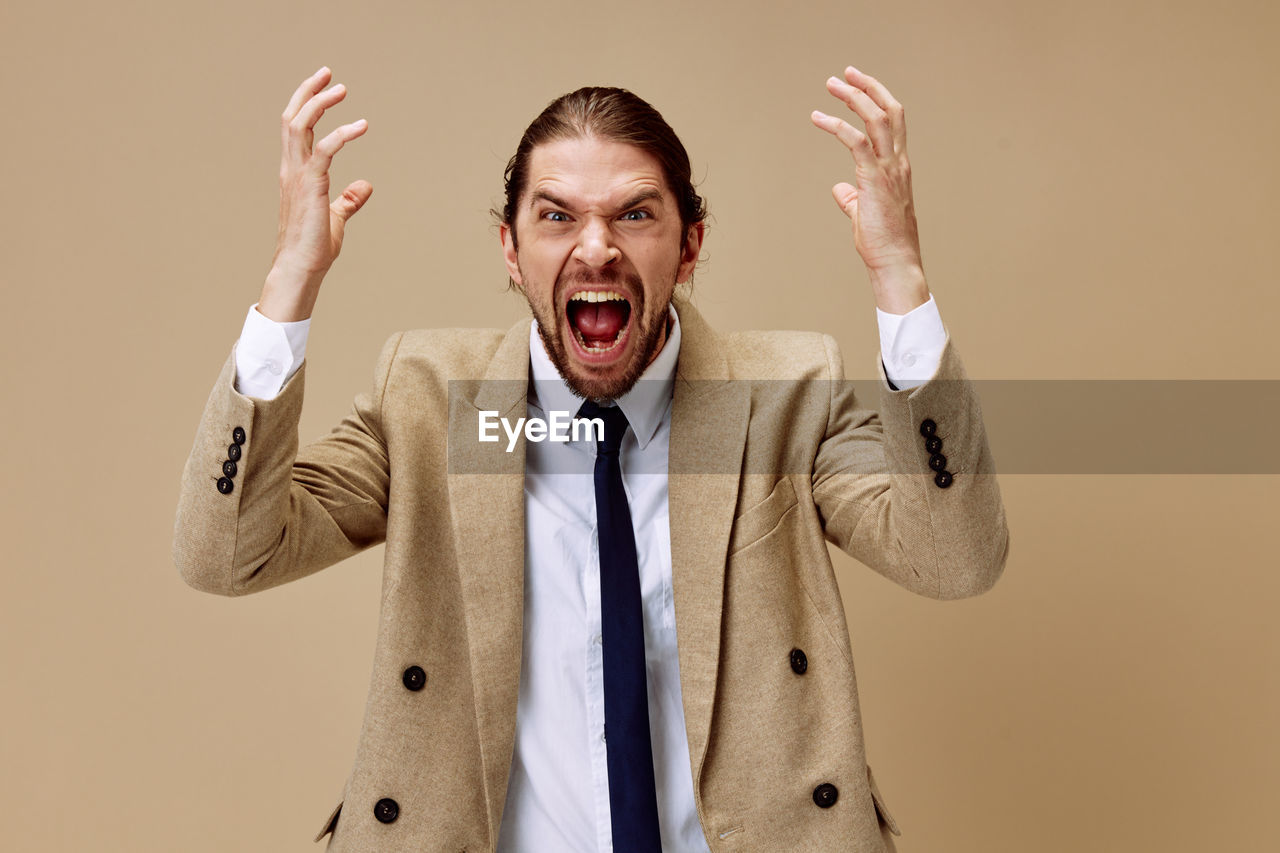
595,246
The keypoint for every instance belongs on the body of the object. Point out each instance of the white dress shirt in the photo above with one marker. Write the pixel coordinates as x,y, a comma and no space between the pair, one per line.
558,790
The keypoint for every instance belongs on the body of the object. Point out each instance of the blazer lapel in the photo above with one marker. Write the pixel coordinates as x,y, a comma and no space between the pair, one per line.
486,493
709,417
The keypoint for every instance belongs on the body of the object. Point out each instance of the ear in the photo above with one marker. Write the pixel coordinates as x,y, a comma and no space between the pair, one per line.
509,253
689,254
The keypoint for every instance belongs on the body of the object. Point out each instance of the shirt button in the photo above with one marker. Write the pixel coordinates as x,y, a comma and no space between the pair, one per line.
274,367
909,358
597,639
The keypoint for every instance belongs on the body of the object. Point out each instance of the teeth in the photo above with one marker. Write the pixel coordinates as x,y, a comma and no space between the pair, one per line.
593,348
597,296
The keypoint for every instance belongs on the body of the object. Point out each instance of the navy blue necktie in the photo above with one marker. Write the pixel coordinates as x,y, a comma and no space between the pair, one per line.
633,798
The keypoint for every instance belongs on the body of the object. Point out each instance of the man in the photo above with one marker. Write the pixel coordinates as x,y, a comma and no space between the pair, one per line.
631,640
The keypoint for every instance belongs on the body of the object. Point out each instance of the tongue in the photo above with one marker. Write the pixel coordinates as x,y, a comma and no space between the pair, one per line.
599,322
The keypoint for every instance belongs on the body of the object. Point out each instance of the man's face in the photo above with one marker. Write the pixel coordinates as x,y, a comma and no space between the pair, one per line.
600,253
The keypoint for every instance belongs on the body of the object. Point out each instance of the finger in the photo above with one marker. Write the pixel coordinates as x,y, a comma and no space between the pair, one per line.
303,124
876,119
309,87
887,102
352,199
855,140
332,144
846,196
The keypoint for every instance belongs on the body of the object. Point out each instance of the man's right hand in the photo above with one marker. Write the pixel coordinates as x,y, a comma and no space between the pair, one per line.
310,228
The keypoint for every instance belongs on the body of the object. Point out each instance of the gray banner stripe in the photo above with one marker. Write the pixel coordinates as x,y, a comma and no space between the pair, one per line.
1062,426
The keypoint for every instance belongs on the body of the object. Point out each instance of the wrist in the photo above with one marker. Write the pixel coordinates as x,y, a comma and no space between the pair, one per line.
288,297
900,288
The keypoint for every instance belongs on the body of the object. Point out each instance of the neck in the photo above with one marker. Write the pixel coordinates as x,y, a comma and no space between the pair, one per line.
662,338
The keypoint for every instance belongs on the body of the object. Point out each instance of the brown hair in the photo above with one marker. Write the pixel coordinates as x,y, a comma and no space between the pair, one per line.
612,114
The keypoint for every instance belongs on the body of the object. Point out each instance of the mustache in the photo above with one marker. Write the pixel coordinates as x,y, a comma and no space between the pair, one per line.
608,275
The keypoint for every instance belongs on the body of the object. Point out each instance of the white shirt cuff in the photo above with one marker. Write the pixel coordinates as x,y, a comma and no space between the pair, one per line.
268,354
911,344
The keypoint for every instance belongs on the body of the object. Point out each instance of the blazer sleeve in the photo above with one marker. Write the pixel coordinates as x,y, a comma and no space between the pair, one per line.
879,500
277,513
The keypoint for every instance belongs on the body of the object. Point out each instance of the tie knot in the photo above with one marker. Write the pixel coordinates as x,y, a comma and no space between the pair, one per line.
615,425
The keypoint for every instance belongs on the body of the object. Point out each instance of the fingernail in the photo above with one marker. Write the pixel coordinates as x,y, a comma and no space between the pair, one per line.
834,79
323,68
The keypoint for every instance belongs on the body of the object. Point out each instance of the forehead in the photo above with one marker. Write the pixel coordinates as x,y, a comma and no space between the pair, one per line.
591,171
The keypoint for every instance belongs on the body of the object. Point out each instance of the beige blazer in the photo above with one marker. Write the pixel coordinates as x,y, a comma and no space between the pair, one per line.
763,473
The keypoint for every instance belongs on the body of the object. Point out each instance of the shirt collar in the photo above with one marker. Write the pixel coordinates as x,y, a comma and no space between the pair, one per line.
645,404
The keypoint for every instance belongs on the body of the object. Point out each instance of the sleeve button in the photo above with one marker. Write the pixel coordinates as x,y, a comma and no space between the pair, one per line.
225,485
233,452
928,427
943,479
238,435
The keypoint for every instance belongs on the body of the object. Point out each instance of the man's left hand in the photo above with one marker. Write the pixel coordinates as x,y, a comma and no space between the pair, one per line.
879,203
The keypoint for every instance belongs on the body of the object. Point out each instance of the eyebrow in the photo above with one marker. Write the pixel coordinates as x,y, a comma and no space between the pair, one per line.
649,194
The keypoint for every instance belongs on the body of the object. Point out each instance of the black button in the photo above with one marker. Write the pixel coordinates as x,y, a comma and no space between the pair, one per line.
233,452
386,810
938,462
799,663
825,795
225,485
933,444
415,678
928,427
237,435
229,468
943,479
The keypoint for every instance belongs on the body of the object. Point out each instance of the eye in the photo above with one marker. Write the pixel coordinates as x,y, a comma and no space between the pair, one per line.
556,216
636,215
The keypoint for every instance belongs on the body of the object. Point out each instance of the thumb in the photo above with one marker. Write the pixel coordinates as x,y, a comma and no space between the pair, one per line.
846,196
352,199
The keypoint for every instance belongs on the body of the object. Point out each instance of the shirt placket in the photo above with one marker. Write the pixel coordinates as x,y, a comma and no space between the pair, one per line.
595,694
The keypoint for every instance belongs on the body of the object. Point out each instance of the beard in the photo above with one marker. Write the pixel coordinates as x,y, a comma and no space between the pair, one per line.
647,335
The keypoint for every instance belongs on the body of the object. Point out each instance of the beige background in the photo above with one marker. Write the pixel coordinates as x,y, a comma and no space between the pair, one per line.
1096,184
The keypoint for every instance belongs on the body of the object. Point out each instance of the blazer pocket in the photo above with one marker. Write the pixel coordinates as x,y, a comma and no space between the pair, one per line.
759,519
881,808
330,823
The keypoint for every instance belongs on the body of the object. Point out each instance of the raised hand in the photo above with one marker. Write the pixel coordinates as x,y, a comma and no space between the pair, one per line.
879,202
310,227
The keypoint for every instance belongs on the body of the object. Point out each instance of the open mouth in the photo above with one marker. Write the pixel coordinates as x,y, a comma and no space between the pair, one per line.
599,320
